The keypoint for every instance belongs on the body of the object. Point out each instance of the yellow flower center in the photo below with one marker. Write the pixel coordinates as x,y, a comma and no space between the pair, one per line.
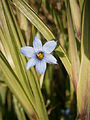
40,55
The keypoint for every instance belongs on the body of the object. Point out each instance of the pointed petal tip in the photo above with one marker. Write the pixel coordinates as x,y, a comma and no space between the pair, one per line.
55,43
27,68
41,67
37,36
56,62
49,46
37,44
21,50
27,51
30,63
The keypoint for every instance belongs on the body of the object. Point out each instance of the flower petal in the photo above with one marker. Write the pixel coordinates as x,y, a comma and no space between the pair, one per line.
41,66
50,59
49,46
27,51
30,63
37,44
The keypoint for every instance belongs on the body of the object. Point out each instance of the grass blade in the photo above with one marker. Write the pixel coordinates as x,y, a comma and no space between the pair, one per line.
19,110
34,19
21,72
14,84
66,62
81,2
73,51
14,46
76,16
83,95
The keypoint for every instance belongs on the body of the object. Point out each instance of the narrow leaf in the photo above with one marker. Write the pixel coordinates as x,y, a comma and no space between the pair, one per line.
81,2
12,42
66,62
83,90
33,17
76,16
73,51
14,85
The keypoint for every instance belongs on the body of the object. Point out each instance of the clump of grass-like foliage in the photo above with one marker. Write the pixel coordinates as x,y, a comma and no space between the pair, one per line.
62,91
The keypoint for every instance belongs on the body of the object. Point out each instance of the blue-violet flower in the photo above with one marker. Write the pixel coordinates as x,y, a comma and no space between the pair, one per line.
39,55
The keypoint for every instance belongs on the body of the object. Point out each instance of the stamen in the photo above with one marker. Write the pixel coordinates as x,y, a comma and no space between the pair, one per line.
40,55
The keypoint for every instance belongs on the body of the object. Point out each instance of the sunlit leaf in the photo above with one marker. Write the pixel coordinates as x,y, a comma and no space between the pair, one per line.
19,110
73,51
34,18
9,41
14,85
81,2
27,80
83,96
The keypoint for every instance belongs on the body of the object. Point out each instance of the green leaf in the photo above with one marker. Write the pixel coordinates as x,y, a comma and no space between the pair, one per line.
81,2
38,96
10,36
73,51
13,48
48,80
2,77
14,85
3,91
83,90
28,80
19,110
34,18
66,62
6,48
